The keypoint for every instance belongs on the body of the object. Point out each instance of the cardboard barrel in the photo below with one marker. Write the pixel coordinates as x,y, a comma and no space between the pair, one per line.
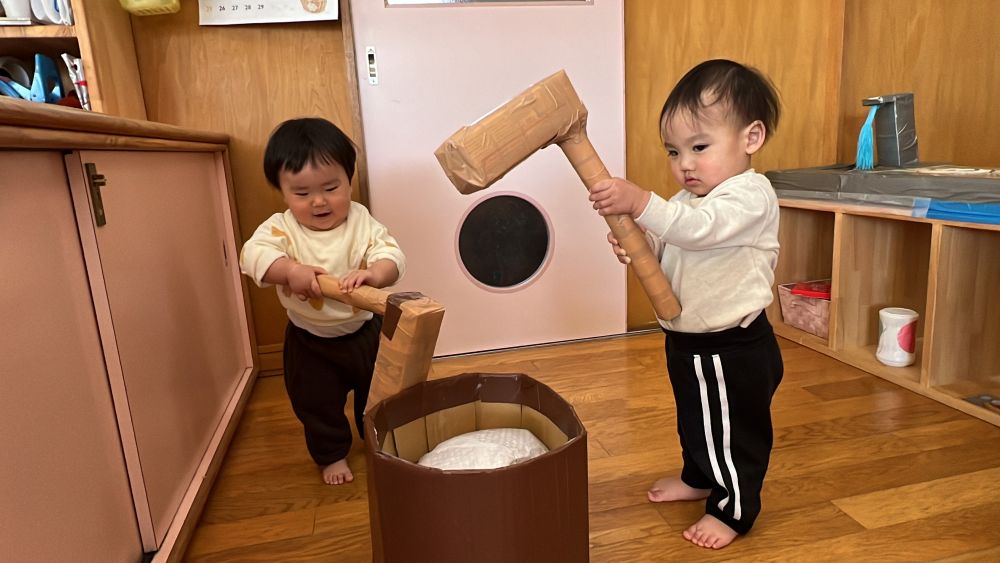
534,511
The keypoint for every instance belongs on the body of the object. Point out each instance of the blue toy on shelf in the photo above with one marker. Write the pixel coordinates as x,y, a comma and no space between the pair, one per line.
46,85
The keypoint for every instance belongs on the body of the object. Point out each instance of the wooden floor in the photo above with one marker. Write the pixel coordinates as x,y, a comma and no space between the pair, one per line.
862,470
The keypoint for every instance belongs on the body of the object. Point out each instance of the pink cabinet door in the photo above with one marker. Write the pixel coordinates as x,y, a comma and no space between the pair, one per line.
163,275
64,491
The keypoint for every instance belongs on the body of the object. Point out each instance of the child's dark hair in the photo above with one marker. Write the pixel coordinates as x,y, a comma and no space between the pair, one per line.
748,94
314,140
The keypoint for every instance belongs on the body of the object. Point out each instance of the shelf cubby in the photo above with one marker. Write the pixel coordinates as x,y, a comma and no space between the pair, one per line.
806,237
965,354
883,263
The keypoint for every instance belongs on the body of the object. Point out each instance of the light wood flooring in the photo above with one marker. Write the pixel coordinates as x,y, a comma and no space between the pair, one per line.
862,470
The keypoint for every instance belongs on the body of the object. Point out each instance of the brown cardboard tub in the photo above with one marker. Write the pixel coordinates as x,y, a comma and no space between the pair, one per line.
528,512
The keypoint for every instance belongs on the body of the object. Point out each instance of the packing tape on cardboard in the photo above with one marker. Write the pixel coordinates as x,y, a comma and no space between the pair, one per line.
393,310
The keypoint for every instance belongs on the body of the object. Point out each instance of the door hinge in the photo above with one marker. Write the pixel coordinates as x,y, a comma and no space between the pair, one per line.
95,182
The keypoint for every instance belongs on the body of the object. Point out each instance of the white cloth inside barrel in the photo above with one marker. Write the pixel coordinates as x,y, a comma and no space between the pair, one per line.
484,449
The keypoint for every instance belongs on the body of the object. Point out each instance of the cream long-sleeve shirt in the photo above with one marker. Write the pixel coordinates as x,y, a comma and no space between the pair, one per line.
357,243
719,251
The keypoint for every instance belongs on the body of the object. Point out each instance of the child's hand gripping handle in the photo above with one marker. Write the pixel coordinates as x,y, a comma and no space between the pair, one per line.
364,297
588,166
410,327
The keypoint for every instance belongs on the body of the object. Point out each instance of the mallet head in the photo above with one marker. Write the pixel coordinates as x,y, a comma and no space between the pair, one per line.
478,155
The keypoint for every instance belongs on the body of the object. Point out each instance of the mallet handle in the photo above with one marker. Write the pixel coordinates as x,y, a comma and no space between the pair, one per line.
588,166
365,297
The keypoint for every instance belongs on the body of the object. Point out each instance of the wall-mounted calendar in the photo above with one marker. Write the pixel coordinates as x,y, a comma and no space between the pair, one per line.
232,12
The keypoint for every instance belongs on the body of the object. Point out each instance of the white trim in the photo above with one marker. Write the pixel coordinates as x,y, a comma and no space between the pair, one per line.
706,417
727,453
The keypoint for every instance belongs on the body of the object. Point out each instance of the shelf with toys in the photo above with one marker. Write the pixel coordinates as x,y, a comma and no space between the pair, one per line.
51,62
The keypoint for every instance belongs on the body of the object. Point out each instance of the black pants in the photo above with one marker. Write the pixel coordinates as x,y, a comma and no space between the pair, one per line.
723,383
319,372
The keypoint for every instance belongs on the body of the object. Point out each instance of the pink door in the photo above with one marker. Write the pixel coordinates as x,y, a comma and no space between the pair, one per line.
171,312
64,491
525,261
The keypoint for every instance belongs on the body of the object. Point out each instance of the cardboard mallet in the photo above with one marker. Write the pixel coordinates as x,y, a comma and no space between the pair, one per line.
550,112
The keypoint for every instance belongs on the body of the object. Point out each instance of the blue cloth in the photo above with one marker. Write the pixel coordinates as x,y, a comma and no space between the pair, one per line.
969,212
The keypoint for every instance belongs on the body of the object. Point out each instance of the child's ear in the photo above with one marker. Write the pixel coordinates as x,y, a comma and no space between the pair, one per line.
754,134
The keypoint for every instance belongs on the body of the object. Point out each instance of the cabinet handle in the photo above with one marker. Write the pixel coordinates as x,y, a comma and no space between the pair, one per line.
95,182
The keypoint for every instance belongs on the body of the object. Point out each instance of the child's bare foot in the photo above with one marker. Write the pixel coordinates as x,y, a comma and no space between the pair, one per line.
337,473
672,488
710,532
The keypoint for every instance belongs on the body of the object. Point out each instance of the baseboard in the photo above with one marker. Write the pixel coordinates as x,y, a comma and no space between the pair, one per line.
269,358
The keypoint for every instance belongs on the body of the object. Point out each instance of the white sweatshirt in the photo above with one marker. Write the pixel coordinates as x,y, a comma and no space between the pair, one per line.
357,243
718,251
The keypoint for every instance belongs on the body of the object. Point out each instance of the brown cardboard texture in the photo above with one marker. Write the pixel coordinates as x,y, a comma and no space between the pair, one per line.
410,330
535,511
548,112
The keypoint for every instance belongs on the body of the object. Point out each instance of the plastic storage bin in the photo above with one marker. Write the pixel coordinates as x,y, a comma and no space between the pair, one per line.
805,312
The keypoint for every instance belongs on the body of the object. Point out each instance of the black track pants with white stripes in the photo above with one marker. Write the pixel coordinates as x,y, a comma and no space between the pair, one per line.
723,383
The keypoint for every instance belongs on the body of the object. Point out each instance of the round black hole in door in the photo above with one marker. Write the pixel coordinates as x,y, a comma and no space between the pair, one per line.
503,241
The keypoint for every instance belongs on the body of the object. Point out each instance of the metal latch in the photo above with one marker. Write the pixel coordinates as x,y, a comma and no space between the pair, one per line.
95,182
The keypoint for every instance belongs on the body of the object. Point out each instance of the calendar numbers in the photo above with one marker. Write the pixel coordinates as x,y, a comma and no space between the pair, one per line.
229,12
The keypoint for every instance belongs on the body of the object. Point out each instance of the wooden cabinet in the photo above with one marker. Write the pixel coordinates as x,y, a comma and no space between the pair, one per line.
102,37
948,272
163,263
64,486
127,354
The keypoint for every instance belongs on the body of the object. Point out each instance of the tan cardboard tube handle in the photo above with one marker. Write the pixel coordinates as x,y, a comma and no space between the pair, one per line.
588,166
365,297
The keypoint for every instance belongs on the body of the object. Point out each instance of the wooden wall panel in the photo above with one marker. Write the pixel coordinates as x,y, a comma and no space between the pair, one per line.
946,53
798,44
244,80
824,56
105,38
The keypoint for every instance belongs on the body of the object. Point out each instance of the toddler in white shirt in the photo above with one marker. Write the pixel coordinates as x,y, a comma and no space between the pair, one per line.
717,241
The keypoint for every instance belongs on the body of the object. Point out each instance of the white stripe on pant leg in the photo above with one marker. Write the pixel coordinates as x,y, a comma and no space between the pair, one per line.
727,453
706,417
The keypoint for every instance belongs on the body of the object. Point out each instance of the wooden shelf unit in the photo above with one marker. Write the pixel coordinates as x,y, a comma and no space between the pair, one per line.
947,271
36,31
102,37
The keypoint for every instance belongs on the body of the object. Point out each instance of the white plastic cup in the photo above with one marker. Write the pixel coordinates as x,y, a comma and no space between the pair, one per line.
897,340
